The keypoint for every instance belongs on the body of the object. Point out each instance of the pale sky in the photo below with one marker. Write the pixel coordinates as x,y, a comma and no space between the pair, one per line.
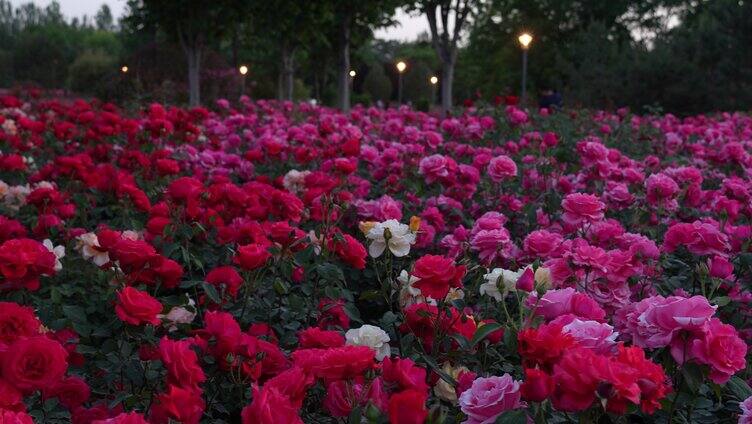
408,29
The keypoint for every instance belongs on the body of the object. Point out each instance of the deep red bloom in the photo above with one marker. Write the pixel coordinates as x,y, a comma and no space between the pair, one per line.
437,275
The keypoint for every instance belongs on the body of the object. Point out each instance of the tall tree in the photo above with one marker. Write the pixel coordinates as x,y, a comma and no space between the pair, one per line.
103,19
355,21
194,24
296,26
446,19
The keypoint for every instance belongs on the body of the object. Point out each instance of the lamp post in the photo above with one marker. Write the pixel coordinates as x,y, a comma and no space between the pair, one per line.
525,39
401,66
243,69
124,69
433,80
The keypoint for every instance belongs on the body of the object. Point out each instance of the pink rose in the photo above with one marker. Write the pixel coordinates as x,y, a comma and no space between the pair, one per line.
488,397
580,208
597,336
501,168
719,347
566,301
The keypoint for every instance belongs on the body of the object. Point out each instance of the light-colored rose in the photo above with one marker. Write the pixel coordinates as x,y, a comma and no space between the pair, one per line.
3,188
392,234
315,241
58,251
88,245
543,278
409,294
499,282
16,196
131,235
294,180
454,294
444,390
179,315
371,336
9,126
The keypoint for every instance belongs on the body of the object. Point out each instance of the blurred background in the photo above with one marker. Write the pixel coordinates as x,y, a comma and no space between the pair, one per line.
680,56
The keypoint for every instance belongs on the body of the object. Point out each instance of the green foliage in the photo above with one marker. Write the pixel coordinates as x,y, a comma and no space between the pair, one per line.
377,84
93,73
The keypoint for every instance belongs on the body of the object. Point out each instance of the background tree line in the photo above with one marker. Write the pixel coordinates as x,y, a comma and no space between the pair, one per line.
681,55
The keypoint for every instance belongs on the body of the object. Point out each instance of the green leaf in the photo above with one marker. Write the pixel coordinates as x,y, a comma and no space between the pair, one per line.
435,367
211,291
483,332
721,300
516,416
355,415
739,388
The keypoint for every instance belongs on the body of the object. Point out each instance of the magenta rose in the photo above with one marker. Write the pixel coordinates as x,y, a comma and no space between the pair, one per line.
719,347
488,397
501,168
580,208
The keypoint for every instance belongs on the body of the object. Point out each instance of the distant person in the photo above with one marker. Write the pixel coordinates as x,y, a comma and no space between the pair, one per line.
550,99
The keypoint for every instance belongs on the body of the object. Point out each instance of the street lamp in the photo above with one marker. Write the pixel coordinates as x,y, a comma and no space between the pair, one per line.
525,39
353,73
243,69
433,80
124,69
401,66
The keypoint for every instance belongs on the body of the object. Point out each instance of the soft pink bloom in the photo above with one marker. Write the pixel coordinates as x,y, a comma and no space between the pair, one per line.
555,303
580,208
488,397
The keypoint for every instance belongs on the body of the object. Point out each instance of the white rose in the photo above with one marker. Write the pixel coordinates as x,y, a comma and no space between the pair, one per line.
371,336
58,251
90,249
399,241
499,278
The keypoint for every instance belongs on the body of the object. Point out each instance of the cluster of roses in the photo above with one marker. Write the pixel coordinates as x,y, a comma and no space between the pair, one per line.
34,359
474,201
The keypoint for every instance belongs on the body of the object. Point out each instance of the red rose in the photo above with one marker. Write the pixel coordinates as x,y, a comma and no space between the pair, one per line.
408,407
269,406
226,275
537,386
292,383
10,397
576,377
168,271
133,254
124,418
315,337
14,417
180,404
436,275
70,391
404,374
350,251
136,307
181,362
34,363
22,261
335,363
185,188
251,256
543,345
333,314
16,321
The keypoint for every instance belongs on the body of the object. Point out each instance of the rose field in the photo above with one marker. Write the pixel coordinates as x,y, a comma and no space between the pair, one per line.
276,262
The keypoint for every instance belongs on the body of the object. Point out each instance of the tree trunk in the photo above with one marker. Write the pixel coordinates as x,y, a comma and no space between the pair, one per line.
288,72
343,79
193,54
447,79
